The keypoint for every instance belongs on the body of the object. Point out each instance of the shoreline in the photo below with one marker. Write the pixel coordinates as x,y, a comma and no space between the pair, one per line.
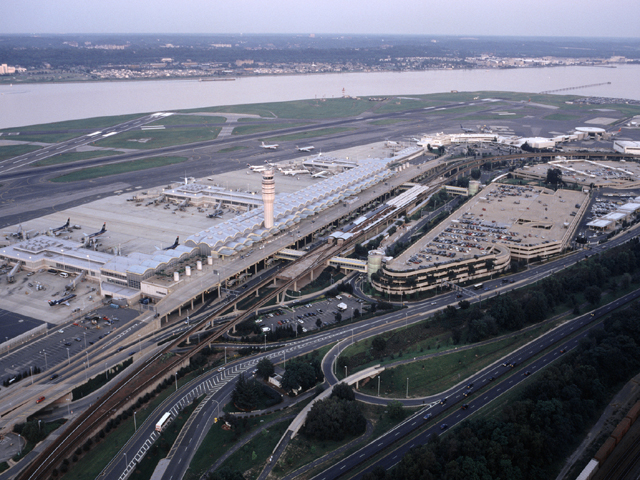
207,78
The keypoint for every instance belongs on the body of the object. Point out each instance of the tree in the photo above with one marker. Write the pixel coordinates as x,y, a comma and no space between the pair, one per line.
464,304
225,473
333,419
356,313
396,410
554,176
265,368
476,173
344,392
318,323
379,344
302,374
338,317
592,294
246,394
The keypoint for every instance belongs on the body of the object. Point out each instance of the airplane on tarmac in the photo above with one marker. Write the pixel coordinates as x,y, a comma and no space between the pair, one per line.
389,143
305,149
66,225
294,172
322,174
273,146
19,233
96,234
259,168
467,130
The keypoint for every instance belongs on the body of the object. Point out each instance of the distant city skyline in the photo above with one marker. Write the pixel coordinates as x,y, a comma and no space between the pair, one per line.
541,18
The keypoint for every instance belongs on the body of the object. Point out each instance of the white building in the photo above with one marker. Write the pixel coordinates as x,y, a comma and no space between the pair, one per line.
627,147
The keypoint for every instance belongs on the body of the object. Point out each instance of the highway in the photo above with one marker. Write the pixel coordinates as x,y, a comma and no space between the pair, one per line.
28,184
223,382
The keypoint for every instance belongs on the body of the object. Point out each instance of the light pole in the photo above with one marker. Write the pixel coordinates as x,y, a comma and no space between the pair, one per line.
126,462
378,385
85,339
106,370
68,358
87,354
225,355
345,371
46,365
89,272
135,425
176,375
407,387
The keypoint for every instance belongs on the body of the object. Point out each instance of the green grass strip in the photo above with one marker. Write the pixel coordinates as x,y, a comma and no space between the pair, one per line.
116,168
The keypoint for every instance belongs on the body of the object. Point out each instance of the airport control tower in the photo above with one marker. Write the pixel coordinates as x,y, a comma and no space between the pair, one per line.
268,196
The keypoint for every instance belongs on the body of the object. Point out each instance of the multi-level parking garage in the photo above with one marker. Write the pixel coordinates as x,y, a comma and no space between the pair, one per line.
501,223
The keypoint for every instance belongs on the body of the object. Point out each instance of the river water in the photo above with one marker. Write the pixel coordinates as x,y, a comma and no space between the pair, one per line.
28,104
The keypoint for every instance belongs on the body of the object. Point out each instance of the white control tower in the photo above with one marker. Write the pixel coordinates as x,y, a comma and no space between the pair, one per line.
268,196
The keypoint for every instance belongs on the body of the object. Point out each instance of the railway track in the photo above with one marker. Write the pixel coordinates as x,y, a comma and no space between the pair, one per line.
146,375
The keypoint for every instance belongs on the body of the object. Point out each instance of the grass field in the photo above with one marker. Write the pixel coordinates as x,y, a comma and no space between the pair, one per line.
232,149
312,134
561,117
428,377
73,157
159,138
85,123
188,120
388,121
116,168
267,127
300,109
251,458
11,151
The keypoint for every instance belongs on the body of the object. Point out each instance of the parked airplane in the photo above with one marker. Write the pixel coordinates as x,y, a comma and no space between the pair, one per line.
97,234
322,174
258,168
273,146
294,172
66,225
216,214
389,143
65,300
467,130
19,233
305,149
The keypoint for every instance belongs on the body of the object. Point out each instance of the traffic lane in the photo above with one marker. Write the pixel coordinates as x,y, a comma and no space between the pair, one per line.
501,366
184,453
475,404
435,409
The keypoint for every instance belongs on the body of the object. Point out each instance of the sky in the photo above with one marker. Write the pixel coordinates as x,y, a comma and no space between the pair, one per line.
583,18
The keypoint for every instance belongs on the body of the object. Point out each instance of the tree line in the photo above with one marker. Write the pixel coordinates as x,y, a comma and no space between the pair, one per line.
533,433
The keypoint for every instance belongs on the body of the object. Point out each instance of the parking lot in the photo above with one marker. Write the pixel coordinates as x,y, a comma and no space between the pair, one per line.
308,315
